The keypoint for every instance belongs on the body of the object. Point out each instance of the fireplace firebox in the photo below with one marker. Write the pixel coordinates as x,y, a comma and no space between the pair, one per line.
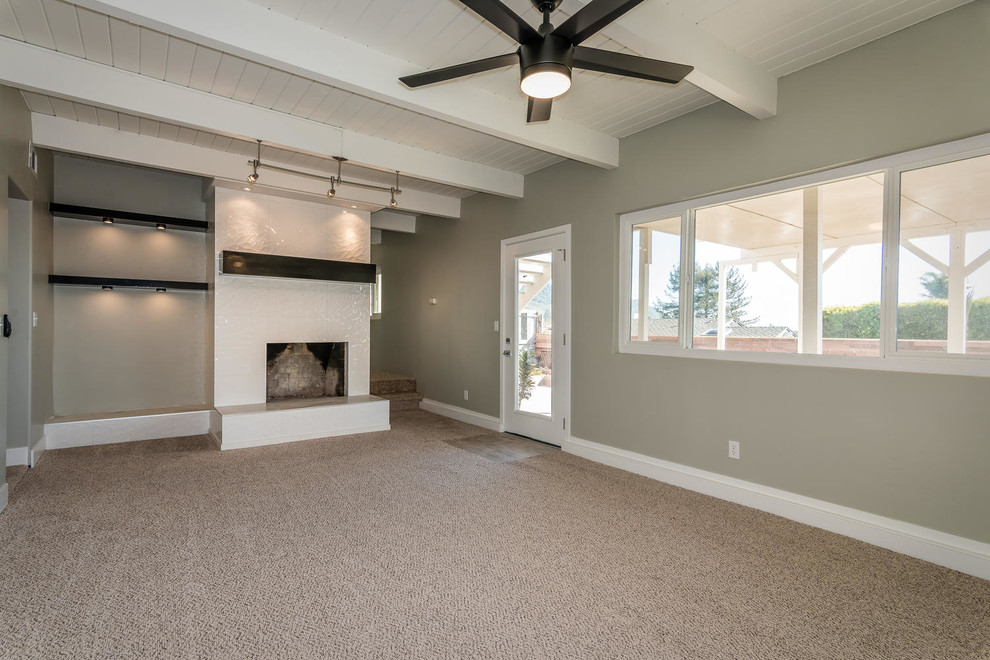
306,370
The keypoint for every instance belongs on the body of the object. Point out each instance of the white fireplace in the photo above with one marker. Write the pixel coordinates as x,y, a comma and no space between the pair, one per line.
252,312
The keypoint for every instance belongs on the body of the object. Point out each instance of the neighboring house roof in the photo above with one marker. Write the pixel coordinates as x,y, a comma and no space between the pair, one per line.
668,328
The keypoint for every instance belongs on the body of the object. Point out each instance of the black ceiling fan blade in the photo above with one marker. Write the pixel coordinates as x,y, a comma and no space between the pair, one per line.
538,110
459,70
503,18
620,64
593,17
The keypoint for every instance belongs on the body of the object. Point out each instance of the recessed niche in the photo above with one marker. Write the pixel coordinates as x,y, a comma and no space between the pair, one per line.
306,370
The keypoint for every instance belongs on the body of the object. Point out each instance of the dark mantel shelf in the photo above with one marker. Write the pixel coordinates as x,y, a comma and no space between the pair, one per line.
126,217
272,265
126,283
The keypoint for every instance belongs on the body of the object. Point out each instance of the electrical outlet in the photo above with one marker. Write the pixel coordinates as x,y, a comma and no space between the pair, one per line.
733,449
465,395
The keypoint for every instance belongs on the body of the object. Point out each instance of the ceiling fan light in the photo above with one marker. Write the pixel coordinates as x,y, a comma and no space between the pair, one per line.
545,84
545,80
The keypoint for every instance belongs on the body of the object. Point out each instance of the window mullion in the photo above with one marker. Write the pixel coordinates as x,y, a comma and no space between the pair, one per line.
889,256
686,308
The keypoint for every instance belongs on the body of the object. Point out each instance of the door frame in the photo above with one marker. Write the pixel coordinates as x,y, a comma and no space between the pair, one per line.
564,350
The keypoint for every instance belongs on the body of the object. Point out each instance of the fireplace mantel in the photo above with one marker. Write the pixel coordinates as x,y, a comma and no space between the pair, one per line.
301,268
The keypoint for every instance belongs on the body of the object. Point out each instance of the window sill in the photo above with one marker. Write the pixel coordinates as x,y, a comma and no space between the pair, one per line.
953,365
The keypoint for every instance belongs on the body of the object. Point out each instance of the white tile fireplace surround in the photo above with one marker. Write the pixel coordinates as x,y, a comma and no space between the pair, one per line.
250,312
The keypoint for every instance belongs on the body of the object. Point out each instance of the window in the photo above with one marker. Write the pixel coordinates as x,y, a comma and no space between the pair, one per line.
656,275
376,296
797,268
943,290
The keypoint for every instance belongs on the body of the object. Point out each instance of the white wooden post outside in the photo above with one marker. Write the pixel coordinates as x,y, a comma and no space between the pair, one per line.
810,283
957,292
723,274
645,259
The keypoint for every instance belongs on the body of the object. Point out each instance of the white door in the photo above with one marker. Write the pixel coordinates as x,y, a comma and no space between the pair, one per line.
535,324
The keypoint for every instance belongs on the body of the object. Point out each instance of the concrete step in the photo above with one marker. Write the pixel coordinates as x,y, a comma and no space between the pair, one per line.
385,383
402,400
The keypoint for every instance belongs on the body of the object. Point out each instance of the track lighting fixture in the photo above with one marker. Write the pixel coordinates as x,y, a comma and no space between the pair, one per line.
160,227
334,181
108,221
256,163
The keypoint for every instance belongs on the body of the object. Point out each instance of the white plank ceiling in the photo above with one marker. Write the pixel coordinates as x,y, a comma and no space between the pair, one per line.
782,36
56,107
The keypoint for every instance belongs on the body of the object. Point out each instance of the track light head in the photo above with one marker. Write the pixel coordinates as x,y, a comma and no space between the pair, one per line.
160,227
252,177
108,221
160,290
107,287
332,192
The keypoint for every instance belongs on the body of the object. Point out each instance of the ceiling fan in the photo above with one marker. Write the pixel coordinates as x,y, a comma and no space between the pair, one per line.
547,55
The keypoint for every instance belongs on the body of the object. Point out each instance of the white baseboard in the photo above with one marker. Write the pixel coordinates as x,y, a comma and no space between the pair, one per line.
3,497
17,456
35,452
955,552
461,414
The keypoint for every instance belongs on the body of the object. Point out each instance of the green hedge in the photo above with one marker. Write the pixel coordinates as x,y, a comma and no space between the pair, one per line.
927,319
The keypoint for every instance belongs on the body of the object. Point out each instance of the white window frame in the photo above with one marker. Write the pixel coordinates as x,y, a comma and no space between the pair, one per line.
889,359
376,295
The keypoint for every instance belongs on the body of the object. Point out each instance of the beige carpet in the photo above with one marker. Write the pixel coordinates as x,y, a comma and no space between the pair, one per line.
400,545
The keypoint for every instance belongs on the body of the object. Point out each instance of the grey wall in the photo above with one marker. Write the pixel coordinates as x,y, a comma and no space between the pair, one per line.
19,308
43,301
128,349
909,446
32,255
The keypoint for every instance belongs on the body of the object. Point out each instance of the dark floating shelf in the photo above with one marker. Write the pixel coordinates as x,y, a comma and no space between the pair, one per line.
126,217
271,265
126,283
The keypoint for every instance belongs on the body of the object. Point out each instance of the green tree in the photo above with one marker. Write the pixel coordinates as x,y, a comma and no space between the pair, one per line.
936,285
706,295
527,366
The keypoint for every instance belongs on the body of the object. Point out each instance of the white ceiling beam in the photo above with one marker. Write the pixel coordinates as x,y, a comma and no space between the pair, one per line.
392,221
267,37
48,72
654,29
102,142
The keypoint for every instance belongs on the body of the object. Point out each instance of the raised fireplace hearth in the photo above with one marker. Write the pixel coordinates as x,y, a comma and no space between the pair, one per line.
306,370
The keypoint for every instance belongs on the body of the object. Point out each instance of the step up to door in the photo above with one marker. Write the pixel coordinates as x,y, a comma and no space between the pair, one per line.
383,383
402,400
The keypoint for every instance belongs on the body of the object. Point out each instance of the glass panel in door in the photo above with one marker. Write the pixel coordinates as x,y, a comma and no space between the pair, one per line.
534,319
